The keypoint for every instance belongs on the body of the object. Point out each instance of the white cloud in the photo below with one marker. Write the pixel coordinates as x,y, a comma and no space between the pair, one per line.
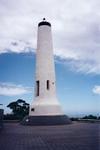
10,89
96,89
75,25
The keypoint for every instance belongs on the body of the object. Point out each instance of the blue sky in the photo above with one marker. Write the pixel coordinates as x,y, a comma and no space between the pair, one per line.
74,90
76,42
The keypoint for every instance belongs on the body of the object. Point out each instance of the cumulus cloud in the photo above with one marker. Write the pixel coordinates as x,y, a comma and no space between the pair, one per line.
10,89
96,89
75,26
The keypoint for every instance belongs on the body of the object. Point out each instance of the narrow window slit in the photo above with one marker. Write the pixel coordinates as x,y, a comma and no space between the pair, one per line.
37,88
48,85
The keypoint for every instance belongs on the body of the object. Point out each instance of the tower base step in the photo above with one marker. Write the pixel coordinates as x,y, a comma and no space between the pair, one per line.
46,120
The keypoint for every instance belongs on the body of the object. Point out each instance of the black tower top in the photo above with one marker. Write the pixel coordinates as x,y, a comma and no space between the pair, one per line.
44,22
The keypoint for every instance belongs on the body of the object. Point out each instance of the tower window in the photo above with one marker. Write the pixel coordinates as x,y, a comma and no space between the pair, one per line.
48,85
37,88
32,109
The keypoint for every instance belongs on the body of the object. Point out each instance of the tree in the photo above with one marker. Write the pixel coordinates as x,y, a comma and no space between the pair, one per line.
90,117
19,108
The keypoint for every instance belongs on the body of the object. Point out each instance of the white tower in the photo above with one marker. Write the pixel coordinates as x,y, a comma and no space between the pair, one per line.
45,109
45,102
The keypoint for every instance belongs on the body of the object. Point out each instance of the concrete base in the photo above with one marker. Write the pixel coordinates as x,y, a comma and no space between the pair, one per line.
46,120
38,109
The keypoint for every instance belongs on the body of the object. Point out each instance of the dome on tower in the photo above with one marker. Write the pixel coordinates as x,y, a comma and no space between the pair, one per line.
44,22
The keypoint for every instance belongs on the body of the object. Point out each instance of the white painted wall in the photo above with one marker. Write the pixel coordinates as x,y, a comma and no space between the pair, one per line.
46,103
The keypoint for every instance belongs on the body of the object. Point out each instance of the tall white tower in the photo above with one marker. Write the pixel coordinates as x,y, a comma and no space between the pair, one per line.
45,102
45,108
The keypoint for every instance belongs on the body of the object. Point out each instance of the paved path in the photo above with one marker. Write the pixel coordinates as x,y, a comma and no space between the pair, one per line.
77,136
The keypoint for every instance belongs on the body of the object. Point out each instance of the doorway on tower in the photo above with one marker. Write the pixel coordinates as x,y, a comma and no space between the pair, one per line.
37,87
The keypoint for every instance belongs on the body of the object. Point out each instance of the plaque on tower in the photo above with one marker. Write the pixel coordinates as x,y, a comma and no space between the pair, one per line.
45,108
